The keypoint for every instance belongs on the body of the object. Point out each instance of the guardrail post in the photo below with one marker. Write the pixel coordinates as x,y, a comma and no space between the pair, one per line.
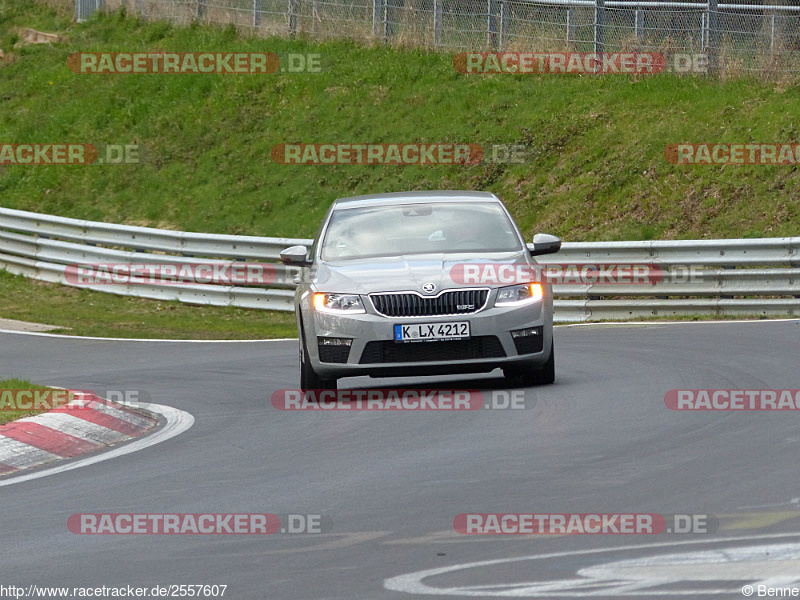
599,26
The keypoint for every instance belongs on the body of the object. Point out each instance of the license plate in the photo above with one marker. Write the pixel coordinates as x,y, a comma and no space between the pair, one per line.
422,332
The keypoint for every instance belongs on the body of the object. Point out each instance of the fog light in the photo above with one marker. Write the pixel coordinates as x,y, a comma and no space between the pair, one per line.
332,341
520,333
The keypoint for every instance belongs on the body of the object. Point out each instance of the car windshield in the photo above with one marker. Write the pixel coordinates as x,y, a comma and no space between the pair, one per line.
405,229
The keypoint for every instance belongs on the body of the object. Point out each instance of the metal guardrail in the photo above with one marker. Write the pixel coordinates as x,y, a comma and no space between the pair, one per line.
699,277
42,246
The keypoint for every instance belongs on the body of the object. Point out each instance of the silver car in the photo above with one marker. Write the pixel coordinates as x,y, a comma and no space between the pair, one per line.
417,283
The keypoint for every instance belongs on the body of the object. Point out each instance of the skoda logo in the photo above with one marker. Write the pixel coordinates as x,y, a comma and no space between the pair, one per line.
428,288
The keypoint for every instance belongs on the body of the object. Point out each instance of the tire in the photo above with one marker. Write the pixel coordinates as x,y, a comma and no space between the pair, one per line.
309,380
542,376
547,374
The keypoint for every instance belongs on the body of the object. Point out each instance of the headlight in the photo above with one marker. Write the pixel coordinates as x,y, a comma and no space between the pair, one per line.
338,303
520,294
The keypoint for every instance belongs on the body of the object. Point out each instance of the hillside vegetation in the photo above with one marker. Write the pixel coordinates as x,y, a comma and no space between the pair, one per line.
595,167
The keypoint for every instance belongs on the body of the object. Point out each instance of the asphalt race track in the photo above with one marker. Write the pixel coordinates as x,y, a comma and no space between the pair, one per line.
389,484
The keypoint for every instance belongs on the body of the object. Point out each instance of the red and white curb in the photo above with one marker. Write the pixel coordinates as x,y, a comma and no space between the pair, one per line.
80,427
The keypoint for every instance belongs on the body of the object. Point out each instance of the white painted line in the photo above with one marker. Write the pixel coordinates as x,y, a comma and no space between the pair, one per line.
115,339
412,583
19,455
79,428
178,421
655,323
588,324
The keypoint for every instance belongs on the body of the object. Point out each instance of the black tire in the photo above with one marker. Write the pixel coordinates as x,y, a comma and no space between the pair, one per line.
527,377
309,380
547,374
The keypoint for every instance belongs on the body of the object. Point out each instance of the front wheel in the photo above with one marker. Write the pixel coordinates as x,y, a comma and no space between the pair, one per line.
543,376
309,380
547,374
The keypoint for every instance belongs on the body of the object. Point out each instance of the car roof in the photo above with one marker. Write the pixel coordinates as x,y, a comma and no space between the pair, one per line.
414,198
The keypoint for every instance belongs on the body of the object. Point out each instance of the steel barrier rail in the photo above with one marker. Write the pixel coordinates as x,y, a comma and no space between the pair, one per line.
144,238
52,251
691,277
731,252
201,294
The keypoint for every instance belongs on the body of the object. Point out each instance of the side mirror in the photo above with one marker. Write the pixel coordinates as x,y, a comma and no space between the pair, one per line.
544,243
296,256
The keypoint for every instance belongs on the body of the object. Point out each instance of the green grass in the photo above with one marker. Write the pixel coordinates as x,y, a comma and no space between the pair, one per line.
88,313
596,168
6,416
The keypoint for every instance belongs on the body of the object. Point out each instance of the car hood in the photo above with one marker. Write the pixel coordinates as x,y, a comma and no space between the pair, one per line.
406,273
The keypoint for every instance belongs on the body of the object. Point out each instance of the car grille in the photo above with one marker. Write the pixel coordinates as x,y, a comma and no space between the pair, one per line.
487,346
410,304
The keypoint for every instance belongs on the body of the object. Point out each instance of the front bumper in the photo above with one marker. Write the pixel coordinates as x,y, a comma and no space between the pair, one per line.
373,350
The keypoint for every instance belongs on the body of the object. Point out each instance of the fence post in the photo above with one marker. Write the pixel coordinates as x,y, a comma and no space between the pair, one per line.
713,36
437,23
505,20
387,27
292,17
491,25
84,9
256,13
141,9
639,24
599,25
772,36
376,18
569,25
703,31
200,13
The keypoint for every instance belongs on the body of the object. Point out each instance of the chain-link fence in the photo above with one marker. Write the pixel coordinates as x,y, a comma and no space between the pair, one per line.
735,38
